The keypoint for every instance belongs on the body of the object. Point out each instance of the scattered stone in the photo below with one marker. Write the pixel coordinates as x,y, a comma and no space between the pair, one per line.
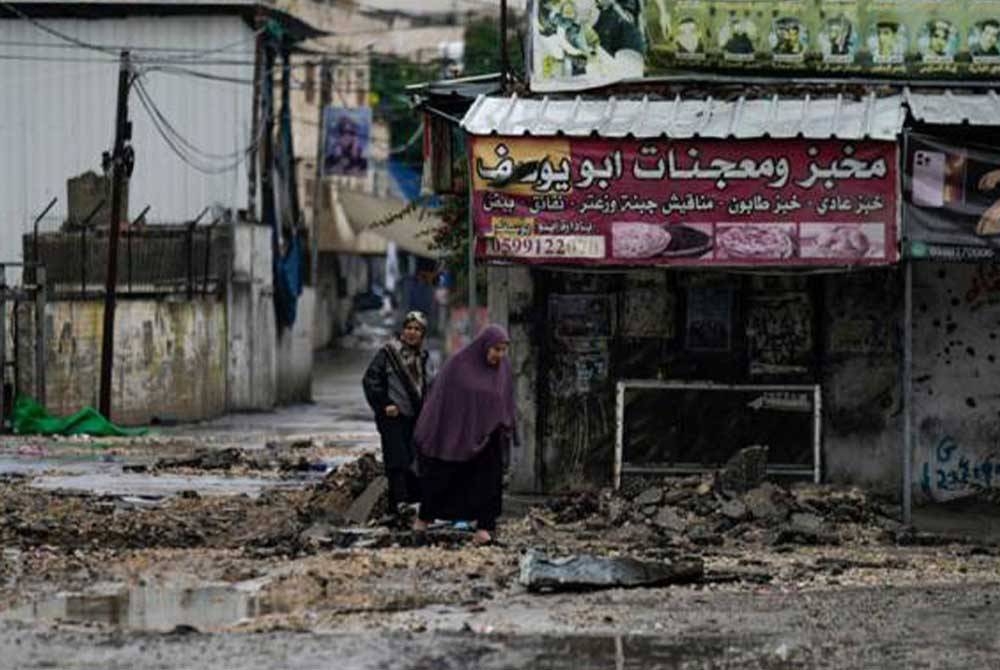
734,509
746,470
651,496
763,505
668,519
807,524
704,535
617,511
363,508
649,510
585,572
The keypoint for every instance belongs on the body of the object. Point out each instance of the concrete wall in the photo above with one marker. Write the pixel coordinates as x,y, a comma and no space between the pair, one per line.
956,326
851,345
169,358
862,413
511,304
295,353
253,361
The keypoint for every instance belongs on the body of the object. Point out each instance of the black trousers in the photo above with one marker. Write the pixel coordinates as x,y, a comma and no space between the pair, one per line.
464,491
398,455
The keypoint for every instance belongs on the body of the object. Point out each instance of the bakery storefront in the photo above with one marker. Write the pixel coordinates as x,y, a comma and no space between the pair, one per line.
701,276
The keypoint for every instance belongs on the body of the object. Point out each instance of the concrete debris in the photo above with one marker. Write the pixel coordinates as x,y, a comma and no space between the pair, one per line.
668,519
363,507
701,511
746,470
586,572
765,504
651,496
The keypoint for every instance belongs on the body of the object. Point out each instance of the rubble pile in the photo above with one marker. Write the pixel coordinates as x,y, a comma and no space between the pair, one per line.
701,510
331,499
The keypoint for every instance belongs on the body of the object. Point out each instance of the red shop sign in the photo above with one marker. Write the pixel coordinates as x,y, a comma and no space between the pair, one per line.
685,202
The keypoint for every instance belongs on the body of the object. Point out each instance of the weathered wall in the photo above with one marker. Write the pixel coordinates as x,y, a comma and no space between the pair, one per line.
169,358
295,353
511,301
253,361
862,394
956,325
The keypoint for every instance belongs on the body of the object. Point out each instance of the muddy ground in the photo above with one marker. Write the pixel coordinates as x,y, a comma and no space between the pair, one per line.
208,573
231,545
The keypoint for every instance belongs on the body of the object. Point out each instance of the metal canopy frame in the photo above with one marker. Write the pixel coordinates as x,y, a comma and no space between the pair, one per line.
620,467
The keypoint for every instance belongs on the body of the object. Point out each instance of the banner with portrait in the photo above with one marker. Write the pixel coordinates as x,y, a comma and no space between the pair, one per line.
346,141
588,201
579,44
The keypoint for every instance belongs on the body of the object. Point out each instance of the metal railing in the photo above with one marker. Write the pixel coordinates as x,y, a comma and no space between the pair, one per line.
189,259
31,292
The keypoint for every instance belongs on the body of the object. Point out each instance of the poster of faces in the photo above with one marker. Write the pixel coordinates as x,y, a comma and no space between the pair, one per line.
578,44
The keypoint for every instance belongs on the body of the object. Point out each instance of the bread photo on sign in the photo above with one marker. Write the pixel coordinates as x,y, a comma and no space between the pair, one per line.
638,240
989,222
755,242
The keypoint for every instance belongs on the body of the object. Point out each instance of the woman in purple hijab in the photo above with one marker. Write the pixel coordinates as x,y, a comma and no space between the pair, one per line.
464,431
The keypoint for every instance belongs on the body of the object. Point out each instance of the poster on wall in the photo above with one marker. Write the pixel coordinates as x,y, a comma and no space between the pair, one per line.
951,208
585,43
580,316
709,319
687,202
779,334
346,141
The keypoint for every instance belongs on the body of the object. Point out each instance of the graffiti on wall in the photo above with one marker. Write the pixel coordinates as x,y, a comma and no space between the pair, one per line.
952,472
779,334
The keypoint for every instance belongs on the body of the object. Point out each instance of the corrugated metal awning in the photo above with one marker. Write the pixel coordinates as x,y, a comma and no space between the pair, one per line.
954,108
843,117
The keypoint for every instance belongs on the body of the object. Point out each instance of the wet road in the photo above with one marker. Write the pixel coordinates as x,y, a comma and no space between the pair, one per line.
927,627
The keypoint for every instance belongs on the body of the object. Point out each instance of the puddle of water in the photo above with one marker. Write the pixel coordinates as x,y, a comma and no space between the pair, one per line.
148,607
34,465
632,652
150,486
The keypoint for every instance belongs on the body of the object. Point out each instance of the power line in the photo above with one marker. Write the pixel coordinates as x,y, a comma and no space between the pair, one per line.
52,31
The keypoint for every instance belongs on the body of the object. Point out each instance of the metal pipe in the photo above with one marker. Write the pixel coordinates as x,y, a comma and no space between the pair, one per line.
208,255
504,60
41,336
907,497
619,433
139,219
34,238
3,347
817,434
83,245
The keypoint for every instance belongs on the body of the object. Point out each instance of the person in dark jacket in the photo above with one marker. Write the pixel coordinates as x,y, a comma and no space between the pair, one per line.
395,385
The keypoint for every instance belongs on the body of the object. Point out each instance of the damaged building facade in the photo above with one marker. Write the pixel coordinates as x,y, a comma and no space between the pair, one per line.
215,301
692,259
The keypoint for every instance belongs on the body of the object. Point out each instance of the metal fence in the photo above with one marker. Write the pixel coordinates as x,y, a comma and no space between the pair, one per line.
22,336
152,260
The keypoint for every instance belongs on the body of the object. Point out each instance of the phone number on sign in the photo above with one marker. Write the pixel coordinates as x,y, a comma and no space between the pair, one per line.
547,246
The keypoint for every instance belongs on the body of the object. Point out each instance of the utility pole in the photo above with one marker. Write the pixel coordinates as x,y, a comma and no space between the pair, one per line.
121,161
504,58
325,97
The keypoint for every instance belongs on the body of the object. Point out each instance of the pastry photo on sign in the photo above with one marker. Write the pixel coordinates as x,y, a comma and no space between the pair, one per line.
842,240
755,242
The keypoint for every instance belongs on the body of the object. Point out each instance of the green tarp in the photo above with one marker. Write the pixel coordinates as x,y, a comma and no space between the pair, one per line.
30,418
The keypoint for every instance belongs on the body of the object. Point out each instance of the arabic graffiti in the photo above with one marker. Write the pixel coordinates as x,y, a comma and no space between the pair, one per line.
682,202
950,470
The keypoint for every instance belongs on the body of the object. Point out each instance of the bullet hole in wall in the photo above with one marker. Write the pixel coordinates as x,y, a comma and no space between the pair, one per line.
971,402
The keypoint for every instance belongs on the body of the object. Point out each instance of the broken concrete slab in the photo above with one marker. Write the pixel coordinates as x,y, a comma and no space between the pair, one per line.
363,508
651,496
734,509
763,503
586,572
746,470
669,519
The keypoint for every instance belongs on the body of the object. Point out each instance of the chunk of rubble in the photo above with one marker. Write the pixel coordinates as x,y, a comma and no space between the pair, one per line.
746,470
586,572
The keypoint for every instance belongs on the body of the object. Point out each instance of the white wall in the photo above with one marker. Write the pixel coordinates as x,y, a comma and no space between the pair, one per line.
58,116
